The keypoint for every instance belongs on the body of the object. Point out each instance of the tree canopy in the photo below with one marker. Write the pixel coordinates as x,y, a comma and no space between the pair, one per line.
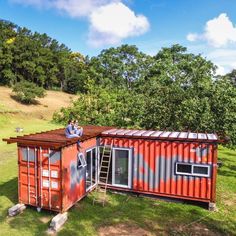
37,58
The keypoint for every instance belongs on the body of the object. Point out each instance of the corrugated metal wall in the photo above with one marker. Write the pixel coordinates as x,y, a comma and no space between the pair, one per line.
154,164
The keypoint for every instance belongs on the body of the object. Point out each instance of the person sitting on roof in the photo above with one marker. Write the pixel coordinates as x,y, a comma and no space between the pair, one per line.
69,131
78,129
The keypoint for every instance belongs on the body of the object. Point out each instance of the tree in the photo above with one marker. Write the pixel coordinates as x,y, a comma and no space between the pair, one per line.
177,91
223,106
26,92
120,67
232,76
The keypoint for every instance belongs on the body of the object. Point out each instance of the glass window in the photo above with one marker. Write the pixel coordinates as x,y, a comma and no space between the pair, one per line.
193,169
183,168
26,152
201,170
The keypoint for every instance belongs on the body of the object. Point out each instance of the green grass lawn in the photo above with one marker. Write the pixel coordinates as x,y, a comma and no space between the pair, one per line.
155,216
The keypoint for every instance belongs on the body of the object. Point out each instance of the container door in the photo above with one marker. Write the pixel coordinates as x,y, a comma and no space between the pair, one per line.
121,167
49,181
27,182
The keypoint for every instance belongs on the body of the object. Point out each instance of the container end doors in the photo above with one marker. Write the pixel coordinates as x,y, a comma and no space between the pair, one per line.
121,167
39,177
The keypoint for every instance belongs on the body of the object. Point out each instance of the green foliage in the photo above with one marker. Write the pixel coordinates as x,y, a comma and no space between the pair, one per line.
102,106
37,58
26,92
119,67
176,91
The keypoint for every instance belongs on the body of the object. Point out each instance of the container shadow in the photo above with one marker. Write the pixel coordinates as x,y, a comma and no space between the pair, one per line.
9,190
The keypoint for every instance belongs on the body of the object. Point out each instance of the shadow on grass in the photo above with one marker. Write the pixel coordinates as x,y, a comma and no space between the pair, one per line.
31,221
157,217
9,190
151,215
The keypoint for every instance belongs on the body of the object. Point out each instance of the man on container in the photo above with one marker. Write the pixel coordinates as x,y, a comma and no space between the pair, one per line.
73,132
69,131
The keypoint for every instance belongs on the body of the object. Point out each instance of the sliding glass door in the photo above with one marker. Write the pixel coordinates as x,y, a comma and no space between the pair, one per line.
121,167
92,166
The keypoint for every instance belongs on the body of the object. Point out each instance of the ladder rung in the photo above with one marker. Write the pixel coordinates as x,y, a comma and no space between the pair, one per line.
101,177
105,167
103,172
105,161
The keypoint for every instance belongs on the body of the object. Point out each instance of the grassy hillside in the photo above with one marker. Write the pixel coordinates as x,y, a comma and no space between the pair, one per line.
53,101
127,215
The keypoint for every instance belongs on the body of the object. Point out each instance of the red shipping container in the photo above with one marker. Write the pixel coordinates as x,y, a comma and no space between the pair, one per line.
54,173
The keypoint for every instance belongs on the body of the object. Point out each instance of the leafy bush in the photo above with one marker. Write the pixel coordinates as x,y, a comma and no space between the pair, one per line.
26,92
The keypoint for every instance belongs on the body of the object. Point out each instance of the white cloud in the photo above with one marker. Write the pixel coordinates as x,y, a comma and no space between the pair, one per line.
78,8
192,37
223,58
113,22
110,21
218,43
218,32
220,70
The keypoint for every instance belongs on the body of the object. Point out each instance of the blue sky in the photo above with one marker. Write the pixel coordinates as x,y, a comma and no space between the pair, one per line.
88,26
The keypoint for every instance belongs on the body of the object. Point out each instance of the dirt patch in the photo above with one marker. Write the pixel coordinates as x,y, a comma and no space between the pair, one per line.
194,230
231,202
45,219
123,229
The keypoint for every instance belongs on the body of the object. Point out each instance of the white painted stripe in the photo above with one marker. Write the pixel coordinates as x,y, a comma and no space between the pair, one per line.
108,131
148,133
192,136
114,131
212,136
165,134
202,136
157,133
122,132
183,135
130,133
174,135
139,133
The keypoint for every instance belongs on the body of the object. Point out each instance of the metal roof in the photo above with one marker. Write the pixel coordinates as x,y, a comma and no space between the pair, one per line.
56,138
156,134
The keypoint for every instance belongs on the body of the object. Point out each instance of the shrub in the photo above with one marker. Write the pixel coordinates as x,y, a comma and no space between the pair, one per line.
26,92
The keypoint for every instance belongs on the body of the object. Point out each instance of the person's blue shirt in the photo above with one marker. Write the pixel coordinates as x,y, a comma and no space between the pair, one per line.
68,130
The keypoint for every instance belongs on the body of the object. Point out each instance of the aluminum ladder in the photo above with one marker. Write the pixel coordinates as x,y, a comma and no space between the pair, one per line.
101,188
